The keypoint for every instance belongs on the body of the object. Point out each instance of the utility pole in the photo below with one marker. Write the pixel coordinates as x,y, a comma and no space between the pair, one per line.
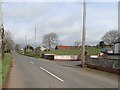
26,40
35,36
1,30
84,34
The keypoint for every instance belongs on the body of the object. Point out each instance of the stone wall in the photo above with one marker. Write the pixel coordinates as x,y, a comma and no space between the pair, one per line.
48,56
110,65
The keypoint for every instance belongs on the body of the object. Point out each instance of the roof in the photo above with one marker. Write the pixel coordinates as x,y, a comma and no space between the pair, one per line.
63,47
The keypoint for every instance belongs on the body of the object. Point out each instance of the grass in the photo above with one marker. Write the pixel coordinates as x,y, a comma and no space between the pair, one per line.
90,51
31,54
63,52
6,64
93,50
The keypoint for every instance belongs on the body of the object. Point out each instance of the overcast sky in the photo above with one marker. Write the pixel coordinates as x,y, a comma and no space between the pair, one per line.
63,18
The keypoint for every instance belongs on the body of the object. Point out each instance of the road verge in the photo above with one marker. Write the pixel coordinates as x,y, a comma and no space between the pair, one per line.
6,67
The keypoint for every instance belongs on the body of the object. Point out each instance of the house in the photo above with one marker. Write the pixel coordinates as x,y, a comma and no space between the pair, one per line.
117,46
63,48
39,50
29,48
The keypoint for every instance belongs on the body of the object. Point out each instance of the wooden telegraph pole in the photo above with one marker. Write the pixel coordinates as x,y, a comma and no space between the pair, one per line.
84,34
35,37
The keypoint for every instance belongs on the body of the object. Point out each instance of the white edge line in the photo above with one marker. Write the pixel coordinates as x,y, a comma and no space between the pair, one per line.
32,62
52,74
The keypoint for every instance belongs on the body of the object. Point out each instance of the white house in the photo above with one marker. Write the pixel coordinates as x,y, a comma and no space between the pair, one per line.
117,46
42,48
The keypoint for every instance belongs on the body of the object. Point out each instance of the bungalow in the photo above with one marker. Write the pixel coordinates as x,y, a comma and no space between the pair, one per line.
117,46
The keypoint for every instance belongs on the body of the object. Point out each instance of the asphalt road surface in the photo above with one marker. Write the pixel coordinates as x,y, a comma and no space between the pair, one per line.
28,72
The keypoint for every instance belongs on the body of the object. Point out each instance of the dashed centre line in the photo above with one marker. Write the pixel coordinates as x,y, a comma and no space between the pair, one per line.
32,62
49,73
52,74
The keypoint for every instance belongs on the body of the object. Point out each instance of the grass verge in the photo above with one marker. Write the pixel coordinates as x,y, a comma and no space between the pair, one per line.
6,65
31,54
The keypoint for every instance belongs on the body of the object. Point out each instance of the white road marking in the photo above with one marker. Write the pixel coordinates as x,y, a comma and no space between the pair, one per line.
52,74
32,62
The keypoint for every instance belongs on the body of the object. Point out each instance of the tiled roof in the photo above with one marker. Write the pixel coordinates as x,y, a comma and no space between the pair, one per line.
63,47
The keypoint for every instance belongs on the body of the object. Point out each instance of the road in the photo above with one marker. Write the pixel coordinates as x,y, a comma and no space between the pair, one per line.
28,72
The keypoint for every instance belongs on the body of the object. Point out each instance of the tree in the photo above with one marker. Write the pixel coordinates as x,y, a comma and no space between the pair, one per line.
17,48
0,39
101,44
77,44
110,37
50,40
28,47
8,42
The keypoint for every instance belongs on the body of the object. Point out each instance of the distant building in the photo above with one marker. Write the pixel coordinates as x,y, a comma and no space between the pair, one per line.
117,46
63,47
29,48
39,50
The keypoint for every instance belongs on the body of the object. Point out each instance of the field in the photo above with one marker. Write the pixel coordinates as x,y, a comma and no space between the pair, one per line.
90,51
6,64
31,54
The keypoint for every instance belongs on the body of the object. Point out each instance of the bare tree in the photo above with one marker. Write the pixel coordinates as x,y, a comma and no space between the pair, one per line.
50,40
8,42
110,37
17,48
77,44
0,38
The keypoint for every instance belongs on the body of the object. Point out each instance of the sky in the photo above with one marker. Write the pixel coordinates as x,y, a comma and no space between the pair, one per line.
64,18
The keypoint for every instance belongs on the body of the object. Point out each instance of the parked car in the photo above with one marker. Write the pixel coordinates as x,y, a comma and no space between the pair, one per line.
107,51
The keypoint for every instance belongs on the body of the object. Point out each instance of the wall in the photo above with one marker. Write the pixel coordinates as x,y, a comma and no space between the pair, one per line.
116,48
109,65
60,57
66,57
48,56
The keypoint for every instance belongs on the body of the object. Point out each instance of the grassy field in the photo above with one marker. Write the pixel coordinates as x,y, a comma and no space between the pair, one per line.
90,51
31,54
6,64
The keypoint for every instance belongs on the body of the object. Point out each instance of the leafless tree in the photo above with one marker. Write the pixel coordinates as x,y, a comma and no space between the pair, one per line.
50,40
110,37
0,34
77,44
8,42
17,47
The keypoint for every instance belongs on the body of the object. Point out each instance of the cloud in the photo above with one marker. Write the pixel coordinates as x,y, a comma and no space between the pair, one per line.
59,0
63,18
